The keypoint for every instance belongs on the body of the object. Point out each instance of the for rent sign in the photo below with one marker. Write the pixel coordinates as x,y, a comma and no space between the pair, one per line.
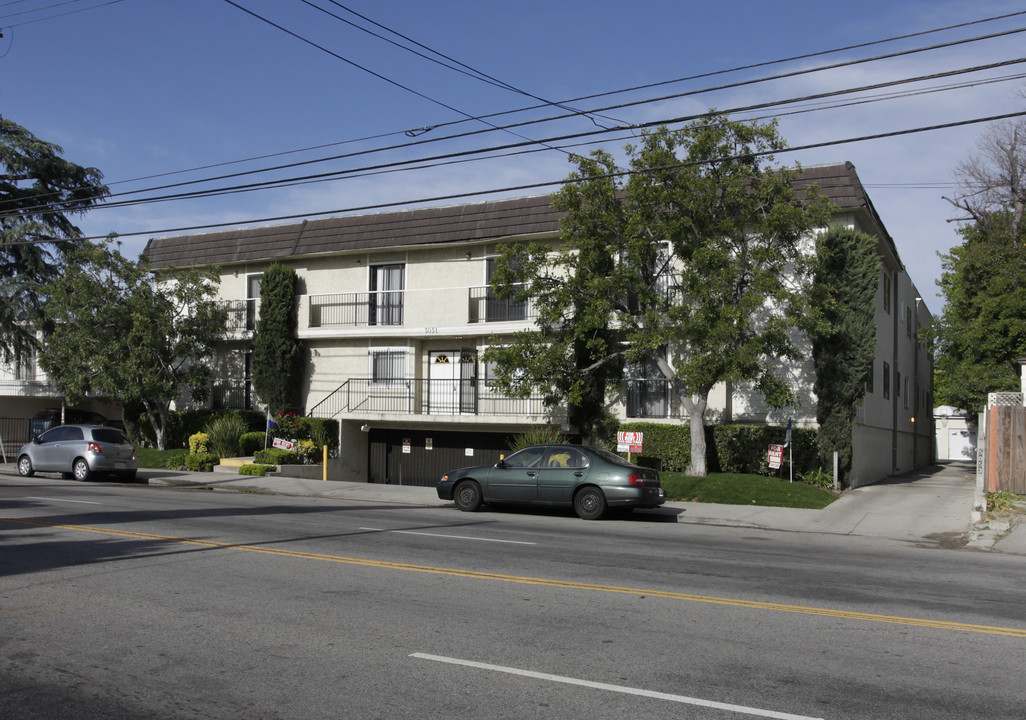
629,441
775,456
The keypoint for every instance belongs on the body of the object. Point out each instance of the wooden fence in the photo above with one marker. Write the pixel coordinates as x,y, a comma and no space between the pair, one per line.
1006,449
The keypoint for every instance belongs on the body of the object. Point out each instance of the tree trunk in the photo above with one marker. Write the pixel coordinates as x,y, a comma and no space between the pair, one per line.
157,414
695,405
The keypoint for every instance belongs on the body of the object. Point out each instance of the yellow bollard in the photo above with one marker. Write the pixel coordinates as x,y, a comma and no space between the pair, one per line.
324,476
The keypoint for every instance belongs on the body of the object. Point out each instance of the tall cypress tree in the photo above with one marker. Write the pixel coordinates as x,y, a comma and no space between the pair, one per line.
844,340
277,354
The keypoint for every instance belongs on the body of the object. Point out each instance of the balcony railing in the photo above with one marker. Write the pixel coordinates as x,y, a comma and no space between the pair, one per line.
356,309
485,307
425,397
242,314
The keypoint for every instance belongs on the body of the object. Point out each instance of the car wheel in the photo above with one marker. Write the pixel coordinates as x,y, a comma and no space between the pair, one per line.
25,466
467,496
81,470
128,476
590,503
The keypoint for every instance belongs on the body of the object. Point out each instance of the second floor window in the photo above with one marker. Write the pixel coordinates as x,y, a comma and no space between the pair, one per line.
252,300
386,294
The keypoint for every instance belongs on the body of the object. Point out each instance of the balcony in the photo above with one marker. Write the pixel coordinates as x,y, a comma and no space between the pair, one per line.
356,309
242,315
484,307
363,396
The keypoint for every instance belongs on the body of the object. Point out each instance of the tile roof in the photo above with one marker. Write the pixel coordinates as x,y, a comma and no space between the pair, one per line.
475,222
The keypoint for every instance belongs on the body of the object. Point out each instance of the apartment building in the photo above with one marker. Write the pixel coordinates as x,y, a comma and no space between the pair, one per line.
395,313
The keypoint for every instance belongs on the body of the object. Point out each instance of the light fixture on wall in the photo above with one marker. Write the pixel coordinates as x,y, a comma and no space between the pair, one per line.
365,428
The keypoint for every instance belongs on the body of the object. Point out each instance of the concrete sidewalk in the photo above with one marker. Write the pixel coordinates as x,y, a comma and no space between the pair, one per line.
933,506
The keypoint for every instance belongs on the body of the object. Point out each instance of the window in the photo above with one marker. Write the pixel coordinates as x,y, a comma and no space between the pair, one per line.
869,378
386,294
887,292
906,392
252,300
886,381
388,366
908,322
897,384
647,388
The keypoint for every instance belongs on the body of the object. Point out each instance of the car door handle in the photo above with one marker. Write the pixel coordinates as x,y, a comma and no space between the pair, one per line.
579,474
531,474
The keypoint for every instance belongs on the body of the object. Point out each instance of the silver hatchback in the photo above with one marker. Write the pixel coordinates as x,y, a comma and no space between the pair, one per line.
79,451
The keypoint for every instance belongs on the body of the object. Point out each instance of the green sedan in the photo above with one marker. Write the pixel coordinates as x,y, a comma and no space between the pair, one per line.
589,479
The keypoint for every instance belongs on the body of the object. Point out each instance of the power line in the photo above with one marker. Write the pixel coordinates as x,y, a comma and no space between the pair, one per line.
539,185
367,70
606,94
64,14
440,159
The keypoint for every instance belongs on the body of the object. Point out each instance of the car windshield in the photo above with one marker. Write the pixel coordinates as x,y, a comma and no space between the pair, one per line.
109,435
611,457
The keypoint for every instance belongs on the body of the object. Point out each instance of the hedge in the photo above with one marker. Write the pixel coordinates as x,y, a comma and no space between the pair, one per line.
256,469
278,456
203,462
729,448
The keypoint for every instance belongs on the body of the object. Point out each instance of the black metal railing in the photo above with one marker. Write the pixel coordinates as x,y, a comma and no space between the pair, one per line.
425,397
485,307
355,309
241,314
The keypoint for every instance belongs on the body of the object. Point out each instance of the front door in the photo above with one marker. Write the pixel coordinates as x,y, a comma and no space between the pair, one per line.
452,383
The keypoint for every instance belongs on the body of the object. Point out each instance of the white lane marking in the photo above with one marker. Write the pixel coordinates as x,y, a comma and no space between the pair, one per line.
450,537
616,688
81,502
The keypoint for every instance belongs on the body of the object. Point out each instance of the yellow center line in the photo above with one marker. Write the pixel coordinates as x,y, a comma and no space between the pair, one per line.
544,582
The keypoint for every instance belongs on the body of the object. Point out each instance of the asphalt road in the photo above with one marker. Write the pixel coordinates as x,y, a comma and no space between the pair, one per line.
126,601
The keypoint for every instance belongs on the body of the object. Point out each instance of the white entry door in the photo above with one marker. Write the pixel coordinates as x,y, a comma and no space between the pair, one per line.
452,380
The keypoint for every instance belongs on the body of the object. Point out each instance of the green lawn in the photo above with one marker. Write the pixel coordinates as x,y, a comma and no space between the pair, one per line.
150,458
740,489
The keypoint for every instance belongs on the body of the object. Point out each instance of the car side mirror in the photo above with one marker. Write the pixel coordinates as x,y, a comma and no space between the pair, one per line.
501,464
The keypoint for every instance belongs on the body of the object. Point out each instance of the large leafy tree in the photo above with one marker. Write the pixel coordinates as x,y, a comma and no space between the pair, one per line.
739,235
981,334
734,228
579,292
277,354
40,192
128,333
843,298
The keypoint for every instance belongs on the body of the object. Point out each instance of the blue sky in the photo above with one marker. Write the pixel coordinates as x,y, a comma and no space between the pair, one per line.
142,88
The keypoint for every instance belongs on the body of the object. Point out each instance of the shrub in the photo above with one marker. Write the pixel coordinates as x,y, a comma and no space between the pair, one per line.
225,433
669,443
537,436
253,469
250,442
199,443
818,478
322,431
201,462
175,460
277,456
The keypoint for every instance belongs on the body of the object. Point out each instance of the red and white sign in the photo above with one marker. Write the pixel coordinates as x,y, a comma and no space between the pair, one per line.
775,456
407,446
283,444
629,441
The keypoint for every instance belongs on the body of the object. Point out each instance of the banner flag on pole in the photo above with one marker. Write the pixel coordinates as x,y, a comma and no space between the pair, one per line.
787,440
